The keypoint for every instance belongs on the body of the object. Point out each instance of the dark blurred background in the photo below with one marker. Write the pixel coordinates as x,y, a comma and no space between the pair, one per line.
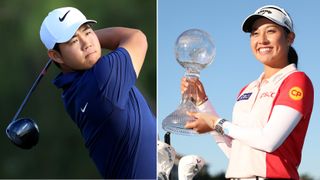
60,152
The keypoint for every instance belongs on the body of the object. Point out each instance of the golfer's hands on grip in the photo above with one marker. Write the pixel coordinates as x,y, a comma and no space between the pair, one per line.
198,94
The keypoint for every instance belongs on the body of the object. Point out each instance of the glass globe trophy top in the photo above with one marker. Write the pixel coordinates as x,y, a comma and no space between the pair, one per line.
194,50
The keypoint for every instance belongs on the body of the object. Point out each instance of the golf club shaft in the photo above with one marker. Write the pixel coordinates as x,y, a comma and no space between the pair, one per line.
167,138
34,85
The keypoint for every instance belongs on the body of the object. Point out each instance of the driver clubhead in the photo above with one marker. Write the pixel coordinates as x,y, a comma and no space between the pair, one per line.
23,132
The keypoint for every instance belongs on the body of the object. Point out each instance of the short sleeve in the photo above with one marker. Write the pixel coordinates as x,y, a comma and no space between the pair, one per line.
115,76
296,92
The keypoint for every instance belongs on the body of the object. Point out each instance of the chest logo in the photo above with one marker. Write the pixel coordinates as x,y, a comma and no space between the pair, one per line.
84,108
268,95
244,96
296,93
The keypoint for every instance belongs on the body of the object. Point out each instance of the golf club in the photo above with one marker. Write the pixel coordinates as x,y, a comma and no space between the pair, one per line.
167,138
24,132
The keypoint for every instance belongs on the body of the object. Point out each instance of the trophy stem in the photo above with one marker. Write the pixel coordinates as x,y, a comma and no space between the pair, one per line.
192,73
191,93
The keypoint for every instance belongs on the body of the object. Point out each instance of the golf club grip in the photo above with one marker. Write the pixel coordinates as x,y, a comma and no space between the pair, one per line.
34,85
167,138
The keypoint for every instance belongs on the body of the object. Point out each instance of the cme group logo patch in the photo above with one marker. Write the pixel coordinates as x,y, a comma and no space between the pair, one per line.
296,93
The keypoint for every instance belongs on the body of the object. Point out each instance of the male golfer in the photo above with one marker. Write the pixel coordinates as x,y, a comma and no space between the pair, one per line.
99,92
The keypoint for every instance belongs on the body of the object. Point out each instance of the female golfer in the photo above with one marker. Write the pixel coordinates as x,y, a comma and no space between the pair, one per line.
264,140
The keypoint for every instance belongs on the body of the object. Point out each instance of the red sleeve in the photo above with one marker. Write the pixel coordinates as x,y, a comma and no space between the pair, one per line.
296,91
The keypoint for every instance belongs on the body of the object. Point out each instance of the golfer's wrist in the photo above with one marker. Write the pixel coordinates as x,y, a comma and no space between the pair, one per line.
218,125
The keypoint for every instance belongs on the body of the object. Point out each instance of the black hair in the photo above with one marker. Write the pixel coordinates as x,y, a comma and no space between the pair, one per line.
56,47
292,54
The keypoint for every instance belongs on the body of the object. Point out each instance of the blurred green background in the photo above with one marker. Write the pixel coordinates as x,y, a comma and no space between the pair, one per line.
60,152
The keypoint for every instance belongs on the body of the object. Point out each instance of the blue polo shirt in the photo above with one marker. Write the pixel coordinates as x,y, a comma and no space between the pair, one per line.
115,121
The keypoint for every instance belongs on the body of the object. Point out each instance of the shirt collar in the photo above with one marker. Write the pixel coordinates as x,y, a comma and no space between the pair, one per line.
277,77
64,80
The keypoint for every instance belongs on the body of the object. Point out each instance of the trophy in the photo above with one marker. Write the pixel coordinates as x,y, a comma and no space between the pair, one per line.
194,50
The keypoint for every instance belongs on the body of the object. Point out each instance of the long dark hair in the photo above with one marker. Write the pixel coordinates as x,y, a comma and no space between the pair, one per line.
292,53
292,56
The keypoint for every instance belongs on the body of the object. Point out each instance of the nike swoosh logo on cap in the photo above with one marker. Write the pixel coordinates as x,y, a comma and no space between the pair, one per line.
63,17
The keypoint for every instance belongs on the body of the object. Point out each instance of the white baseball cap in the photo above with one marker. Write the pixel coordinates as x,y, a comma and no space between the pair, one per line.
60,25
271,12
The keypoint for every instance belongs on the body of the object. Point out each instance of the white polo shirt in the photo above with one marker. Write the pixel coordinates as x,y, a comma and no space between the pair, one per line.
287,88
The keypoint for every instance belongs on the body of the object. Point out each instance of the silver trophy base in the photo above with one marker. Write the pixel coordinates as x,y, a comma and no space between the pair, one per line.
175,122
